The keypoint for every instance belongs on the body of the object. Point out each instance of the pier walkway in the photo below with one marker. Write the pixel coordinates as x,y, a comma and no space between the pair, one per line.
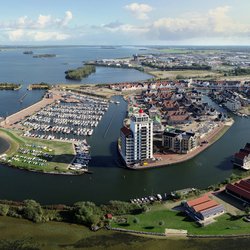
20,115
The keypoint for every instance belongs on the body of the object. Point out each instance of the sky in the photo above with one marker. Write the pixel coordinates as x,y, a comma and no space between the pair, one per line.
122,22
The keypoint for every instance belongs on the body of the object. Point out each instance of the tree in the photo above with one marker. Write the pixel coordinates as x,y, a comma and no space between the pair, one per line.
33,211
4,209
136,220
161,223
87,213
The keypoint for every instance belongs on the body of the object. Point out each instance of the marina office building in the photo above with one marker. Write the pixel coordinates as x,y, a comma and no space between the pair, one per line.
137,141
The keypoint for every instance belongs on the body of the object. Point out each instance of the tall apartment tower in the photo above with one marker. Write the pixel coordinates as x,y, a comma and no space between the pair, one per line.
137,142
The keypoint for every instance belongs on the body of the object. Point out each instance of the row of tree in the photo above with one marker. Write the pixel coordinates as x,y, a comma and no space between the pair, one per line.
9,86
86,213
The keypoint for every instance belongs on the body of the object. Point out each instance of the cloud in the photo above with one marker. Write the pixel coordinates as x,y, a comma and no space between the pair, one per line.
215,23
43,28
44,21
140,11
67,18
125,28
15,35
37,36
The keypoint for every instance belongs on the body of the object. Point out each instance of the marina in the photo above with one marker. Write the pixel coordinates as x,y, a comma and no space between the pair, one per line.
68,117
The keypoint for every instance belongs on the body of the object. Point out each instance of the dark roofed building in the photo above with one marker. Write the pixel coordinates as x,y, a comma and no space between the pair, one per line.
242,158
240,190
179,141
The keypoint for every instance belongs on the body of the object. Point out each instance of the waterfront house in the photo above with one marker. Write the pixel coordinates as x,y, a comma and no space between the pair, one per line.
233,105
240,191
179,141
203,209
242,158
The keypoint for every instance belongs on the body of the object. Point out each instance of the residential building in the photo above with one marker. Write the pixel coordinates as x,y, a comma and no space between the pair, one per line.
233,105
137,141
127,145
242,158
179,141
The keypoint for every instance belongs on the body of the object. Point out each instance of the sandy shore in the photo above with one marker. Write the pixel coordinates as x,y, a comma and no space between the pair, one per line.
172,158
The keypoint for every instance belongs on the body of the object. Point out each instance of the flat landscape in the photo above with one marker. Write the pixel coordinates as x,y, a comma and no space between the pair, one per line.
22,234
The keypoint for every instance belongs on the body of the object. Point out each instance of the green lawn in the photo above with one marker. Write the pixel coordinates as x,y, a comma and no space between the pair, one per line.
149,222
62,152
23,234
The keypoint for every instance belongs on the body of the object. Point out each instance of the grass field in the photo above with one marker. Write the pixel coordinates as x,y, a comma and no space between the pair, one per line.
184,74
22,234
62,152
150,222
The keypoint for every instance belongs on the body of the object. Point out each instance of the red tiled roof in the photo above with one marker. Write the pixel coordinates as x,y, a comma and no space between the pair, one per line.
198,201
244,184
238,190
205,205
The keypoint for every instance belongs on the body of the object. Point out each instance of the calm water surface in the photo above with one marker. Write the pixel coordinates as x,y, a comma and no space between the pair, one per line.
110,180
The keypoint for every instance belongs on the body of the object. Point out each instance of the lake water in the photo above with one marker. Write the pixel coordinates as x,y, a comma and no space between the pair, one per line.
111,180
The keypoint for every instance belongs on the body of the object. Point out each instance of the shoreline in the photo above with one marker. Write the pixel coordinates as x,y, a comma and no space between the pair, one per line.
174,158
15,145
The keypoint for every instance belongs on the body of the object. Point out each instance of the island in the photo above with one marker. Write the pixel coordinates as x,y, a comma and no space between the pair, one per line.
79,73
10,86
41,85
44,56
28,52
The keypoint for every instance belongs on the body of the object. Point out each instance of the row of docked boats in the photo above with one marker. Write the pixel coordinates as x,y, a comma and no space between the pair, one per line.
82,157
75,115
148,199
73,118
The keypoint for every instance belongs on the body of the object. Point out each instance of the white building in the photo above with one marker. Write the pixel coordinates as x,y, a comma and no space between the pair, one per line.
233,105
137,142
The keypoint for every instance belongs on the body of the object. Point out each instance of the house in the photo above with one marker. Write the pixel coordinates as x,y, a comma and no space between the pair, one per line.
233,105
177,117
179,141
109,216
240,191
203,208
242,158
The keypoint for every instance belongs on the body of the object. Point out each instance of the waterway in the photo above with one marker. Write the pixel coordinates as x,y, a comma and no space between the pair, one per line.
110,180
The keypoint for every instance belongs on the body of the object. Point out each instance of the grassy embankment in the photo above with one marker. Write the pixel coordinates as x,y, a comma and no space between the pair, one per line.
23,234
159,218
62,152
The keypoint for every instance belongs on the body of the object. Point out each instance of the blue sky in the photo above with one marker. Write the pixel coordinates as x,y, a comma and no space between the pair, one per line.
163,22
